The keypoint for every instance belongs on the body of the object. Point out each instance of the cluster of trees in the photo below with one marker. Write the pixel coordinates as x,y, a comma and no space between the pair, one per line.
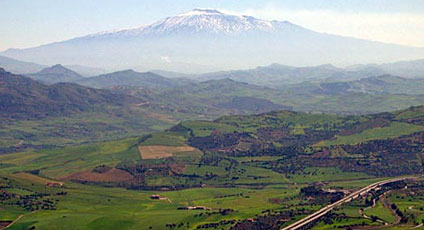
36,202
269,220
320,196
177,225
216,224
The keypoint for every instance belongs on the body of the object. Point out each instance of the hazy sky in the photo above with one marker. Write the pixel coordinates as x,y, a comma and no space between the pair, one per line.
27,23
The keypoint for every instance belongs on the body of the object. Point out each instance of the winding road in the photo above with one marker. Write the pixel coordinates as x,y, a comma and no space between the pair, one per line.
323,211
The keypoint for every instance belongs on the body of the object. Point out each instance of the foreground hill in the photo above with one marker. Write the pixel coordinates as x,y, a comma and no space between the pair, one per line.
280,143
368,144
255,172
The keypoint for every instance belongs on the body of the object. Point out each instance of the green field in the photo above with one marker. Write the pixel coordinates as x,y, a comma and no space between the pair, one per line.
396,129
381,212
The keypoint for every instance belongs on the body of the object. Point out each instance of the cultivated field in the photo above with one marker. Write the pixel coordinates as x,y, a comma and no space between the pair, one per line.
159,151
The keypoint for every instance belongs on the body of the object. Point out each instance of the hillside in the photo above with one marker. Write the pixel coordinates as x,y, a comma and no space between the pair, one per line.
130,78
282,142
220,97
217,97
309,140
35,115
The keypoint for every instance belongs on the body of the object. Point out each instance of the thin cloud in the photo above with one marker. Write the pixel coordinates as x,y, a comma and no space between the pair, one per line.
397,28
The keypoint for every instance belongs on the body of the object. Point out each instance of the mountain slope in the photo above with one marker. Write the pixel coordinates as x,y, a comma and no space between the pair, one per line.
19,67
211,38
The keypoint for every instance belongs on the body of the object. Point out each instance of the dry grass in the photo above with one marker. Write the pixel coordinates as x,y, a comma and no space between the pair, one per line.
112,175
159,151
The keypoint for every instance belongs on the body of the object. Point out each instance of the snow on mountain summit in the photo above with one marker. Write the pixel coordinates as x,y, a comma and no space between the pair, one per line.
208,20
199,11
202,20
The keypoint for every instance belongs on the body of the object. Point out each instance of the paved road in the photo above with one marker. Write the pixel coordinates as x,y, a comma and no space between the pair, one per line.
323,211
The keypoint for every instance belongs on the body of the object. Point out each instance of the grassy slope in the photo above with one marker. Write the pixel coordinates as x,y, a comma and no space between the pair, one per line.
83,128
60,162
110,208
381,212
396,129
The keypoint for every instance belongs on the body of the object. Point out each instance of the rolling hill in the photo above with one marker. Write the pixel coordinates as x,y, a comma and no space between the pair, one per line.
22,97
43,116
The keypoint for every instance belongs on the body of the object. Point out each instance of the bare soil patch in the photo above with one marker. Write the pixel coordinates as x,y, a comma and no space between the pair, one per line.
4,224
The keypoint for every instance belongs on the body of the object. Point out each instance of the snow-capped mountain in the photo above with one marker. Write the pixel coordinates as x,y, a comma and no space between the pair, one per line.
207,39
207,21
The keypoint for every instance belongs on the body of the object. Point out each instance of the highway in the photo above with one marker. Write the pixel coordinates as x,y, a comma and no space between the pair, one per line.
323,211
